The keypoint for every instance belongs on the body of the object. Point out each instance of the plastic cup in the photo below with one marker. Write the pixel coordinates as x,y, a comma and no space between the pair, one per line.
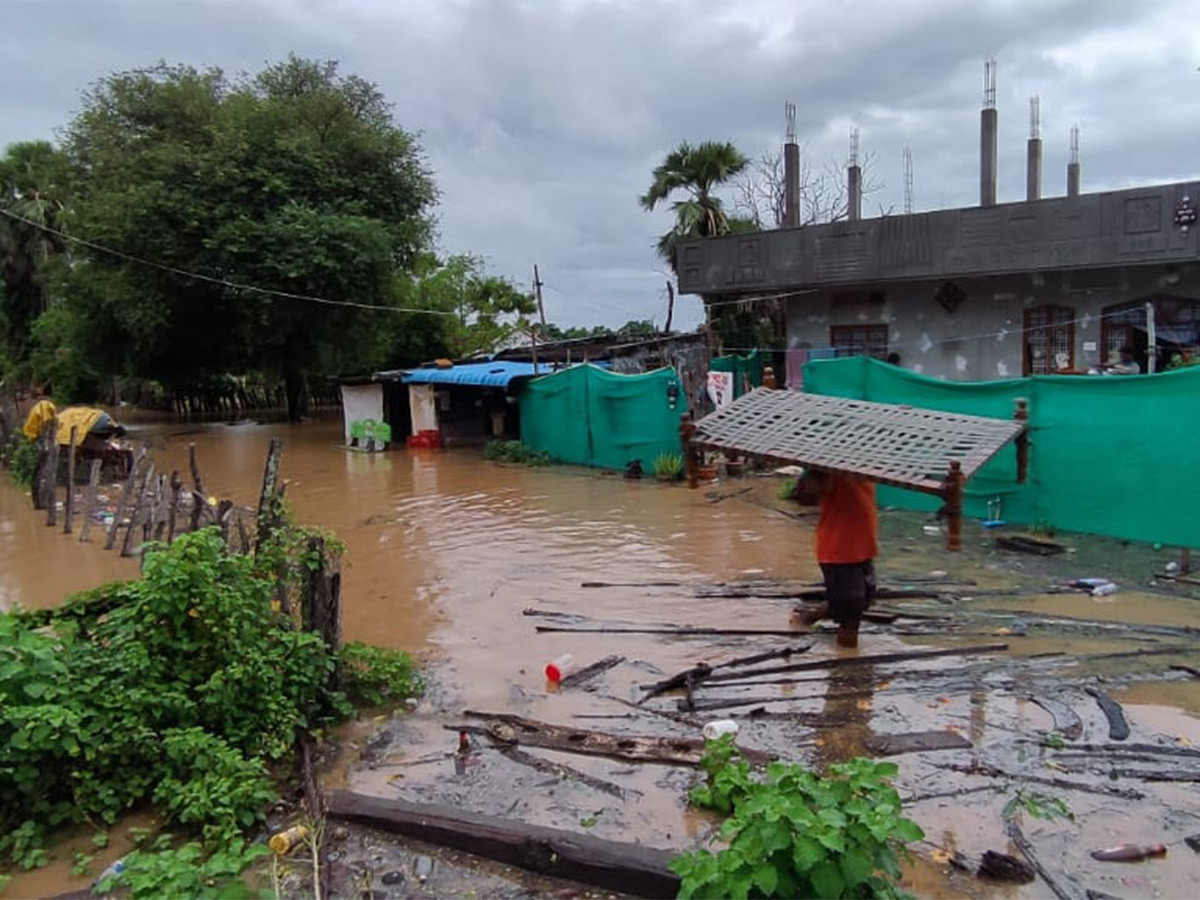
557,669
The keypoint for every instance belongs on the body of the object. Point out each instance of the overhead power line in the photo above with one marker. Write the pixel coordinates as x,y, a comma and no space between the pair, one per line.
232,285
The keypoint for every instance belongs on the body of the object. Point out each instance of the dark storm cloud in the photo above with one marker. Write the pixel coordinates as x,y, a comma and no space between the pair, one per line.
543,119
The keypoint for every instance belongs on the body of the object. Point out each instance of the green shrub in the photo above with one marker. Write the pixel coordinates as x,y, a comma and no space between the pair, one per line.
516,452
188,871
794,833
668,466
183,692
21,458
373,676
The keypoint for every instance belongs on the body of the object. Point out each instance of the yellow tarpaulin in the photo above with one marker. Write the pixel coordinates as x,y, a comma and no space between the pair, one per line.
81,418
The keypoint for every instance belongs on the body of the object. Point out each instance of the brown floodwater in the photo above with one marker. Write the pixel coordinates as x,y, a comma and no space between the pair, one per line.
444,552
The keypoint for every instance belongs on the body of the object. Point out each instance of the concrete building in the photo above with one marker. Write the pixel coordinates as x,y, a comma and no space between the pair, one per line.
1000,290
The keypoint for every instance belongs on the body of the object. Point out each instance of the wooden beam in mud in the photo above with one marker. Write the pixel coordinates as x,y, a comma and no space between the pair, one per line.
1118,728
675,632
840,662
625,868
587,673
1066,720
916,742
509,729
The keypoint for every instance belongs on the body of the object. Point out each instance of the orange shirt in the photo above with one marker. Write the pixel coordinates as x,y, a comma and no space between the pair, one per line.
848,529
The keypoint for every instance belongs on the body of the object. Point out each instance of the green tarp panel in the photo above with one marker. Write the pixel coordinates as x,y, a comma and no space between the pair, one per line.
1116,455
747,370
589,417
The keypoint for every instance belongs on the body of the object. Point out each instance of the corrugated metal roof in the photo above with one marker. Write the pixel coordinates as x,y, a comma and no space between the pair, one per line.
497,373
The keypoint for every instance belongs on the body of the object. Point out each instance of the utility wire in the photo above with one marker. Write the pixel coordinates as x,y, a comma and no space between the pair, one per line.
232,285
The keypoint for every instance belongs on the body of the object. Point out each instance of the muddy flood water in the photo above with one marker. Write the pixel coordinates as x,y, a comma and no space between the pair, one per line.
447,553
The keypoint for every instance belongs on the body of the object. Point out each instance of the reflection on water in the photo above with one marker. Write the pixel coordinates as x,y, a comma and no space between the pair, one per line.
849,701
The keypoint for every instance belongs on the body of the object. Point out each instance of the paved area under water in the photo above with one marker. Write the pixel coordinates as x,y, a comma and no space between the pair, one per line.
444,553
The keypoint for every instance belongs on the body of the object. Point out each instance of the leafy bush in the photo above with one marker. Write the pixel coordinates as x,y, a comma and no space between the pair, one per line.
372,676
668,466
188,871
794,833
21,457
516,452
182,692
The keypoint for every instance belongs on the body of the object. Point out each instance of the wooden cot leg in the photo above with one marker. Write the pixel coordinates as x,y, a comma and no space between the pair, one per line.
1022,415
952,494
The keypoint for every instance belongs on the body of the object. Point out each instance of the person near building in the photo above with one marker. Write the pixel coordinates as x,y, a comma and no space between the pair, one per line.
847,542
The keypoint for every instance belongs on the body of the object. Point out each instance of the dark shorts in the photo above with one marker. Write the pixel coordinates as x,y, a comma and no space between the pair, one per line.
850,589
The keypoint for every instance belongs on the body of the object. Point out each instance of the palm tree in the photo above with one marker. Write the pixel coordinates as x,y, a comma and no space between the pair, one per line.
695,170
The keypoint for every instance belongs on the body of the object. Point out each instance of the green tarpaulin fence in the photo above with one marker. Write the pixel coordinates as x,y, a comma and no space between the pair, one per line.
747,370
590,417
1118,456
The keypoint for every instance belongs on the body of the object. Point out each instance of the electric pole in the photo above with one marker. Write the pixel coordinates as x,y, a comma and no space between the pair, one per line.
537,291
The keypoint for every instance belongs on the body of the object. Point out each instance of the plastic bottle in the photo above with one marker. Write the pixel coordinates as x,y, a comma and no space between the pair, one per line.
284,841
720,727
557,669
113,870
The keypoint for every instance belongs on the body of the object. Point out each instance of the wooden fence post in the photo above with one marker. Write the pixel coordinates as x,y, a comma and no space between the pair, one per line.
89,503
320,603
37,488
52,478
69,506
123,502
267,500
176,488
135,516
687,428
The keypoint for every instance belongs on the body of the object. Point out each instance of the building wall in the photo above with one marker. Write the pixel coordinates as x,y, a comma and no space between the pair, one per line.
982,338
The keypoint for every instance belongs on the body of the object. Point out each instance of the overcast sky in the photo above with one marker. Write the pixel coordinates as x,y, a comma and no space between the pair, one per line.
543,119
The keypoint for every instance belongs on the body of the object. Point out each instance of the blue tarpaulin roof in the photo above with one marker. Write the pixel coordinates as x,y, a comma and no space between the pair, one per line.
486,374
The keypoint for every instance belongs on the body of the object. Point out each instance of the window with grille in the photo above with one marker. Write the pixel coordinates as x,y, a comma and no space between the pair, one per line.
1177,329
859,340
1049,340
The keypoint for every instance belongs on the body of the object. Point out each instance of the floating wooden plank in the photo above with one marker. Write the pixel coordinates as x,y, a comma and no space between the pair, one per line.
675,632
1066,720
625,868
562,770
916,742
1118,728
587,673
899,445
509,729
841,662
698,673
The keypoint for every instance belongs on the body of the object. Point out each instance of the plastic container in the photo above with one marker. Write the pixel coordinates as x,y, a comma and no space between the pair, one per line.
559,668
1104,590
115,869
284,841
720,728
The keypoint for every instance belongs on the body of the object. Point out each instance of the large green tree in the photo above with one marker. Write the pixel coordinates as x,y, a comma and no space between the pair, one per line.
295,181
483,310
34,189
695,171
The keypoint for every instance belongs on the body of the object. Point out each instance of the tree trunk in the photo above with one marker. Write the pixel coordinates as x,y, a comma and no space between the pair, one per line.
297,394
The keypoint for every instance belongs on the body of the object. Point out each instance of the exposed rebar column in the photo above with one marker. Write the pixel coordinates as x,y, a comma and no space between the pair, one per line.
1033,163
1073,164
791,170
987,137
853,180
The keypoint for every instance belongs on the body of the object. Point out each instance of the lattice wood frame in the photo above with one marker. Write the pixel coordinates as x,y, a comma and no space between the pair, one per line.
903,446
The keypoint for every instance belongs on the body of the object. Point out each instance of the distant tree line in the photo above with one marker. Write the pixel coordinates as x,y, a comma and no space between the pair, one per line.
192,226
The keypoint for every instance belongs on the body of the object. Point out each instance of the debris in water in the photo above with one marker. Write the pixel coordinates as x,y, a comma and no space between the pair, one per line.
1002,867
1193,841
423,868
393,877
1129,852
